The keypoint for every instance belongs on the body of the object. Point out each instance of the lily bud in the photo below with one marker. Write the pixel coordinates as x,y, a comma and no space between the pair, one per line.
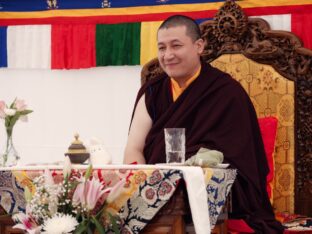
67,167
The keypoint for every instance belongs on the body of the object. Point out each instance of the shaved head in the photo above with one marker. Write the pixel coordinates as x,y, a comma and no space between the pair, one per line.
192,28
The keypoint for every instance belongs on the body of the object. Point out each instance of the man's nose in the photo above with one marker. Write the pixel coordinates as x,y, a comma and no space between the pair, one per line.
168,54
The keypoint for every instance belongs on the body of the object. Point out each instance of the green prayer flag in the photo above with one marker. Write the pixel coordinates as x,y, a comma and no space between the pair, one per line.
118,44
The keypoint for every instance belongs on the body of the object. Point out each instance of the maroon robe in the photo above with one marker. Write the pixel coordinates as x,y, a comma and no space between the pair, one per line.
217,114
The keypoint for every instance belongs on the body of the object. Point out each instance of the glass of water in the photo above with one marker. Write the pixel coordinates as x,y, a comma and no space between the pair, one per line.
175,145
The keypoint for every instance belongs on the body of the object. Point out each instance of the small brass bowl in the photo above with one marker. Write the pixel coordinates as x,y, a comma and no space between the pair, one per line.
78,158
77,152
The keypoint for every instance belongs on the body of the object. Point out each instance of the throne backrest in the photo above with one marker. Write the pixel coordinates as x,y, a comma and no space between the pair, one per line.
272,96
276,72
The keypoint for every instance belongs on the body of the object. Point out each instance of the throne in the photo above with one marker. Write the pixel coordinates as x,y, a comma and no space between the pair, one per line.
276,71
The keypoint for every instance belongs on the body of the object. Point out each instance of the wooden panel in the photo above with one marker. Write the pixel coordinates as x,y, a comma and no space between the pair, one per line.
171,224
6,224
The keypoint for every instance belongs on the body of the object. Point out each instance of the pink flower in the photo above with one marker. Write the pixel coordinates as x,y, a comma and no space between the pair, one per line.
23,118
26,223
20,105
2,107
88,193
115,191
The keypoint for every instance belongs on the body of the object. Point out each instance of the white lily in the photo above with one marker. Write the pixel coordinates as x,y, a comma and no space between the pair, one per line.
9,111
67,167
48,179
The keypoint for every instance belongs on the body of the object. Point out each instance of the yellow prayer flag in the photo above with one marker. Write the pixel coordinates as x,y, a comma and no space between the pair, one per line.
149,41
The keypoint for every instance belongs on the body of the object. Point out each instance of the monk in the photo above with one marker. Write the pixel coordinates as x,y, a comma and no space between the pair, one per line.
216,113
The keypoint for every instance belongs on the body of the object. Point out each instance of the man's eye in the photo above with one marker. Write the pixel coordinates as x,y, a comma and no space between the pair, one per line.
176,46
161,48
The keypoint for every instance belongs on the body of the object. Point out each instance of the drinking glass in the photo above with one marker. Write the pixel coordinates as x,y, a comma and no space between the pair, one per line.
175,145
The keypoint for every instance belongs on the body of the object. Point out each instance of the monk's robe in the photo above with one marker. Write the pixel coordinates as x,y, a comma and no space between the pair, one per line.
217,114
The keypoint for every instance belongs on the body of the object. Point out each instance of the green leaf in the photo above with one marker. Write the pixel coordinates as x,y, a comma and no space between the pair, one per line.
90,231
27,194
12,104
98,225
25,112
81,228
88,172
13,120
114,224
99,214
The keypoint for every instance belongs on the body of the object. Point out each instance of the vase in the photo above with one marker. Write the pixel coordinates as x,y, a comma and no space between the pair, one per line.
9,157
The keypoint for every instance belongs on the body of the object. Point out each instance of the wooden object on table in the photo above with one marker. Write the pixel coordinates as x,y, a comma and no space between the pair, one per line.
6,224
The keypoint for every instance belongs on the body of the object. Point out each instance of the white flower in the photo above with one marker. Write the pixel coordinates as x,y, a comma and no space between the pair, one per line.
60,224
67,167
9,111
48,178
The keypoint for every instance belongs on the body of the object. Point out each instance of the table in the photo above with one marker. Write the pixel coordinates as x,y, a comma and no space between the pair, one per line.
149,188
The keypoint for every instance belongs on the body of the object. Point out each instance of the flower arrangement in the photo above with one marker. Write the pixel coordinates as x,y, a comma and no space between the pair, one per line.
11,113
76,205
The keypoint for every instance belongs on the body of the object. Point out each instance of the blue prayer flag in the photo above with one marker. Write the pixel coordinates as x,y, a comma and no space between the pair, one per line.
3,47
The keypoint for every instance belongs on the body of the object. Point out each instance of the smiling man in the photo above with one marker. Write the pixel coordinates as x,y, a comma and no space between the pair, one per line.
216,113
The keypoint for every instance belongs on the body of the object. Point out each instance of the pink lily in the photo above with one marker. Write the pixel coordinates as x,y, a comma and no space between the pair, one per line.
79,194
26,223
23,118
88,193
115,191
20,105
2,107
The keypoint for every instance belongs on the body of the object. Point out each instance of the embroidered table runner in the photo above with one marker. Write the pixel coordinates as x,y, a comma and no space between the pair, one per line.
147,190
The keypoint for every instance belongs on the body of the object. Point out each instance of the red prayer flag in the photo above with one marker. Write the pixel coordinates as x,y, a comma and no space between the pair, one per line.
73,46
301,25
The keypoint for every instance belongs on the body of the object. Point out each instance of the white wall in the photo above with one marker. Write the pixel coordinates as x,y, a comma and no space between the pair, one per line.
94,102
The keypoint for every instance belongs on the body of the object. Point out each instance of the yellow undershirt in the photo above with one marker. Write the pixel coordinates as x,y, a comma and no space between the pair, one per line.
177,90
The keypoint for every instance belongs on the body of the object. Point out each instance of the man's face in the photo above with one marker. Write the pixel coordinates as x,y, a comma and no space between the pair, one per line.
178,55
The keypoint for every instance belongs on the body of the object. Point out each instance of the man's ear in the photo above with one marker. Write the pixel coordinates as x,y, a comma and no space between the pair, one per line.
200,45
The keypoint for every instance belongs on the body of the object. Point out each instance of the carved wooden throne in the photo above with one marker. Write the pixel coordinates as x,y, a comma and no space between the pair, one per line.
276,71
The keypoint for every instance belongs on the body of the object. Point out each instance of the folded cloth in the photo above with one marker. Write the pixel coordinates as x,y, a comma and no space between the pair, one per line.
205,158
